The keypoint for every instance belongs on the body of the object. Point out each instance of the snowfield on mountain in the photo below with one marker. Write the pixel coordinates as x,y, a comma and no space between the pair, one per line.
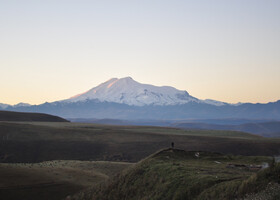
128,91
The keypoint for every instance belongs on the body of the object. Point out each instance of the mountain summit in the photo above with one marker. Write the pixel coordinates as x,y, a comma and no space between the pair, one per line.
130,92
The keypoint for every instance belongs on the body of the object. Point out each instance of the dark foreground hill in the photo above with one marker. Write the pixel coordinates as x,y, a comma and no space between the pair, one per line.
177,174
29,117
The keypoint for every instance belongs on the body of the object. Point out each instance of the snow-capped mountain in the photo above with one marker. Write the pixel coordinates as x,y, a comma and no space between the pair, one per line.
3,106
128,91
214,102
21,105
126,99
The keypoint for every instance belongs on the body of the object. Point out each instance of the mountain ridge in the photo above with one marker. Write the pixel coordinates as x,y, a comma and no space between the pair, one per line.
127,99
192,110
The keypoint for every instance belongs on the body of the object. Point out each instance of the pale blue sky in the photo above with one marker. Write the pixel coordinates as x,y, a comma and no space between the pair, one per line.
221,49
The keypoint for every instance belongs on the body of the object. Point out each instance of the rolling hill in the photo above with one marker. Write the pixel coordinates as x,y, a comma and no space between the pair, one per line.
177,174
53,179
29,117
60,159
264,128
267,129
42,141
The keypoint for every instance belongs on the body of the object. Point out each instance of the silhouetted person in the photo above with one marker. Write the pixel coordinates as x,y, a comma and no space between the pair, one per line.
172,145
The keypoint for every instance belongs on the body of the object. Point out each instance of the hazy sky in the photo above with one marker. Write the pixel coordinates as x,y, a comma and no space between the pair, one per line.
227,50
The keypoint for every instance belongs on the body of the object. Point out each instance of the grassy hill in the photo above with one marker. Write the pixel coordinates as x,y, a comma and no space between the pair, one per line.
267,129
177,174
53,179
32,117
42,141
29,152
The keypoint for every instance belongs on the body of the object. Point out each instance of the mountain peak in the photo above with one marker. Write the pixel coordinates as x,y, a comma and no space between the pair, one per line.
112,81
21,104
127,78
128,91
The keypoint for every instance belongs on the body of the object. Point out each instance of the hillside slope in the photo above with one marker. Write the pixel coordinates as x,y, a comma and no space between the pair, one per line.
267,129
41,141
177,174
53,179
32,117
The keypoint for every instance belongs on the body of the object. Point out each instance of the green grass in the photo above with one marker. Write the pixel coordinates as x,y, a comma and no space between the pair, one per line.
176,174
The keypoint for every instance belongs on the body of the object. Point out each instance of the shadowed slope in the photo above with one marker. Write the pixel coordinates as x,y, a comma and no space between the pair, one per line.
53,179
32,117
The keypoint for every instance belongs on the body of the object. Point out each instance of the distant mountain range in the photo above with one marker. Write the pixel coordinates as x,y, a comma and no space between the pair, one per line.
127,99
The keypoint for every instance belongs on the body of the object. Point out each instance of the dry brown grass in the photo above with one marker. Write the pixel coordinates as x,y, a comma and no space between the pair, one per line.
53,179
